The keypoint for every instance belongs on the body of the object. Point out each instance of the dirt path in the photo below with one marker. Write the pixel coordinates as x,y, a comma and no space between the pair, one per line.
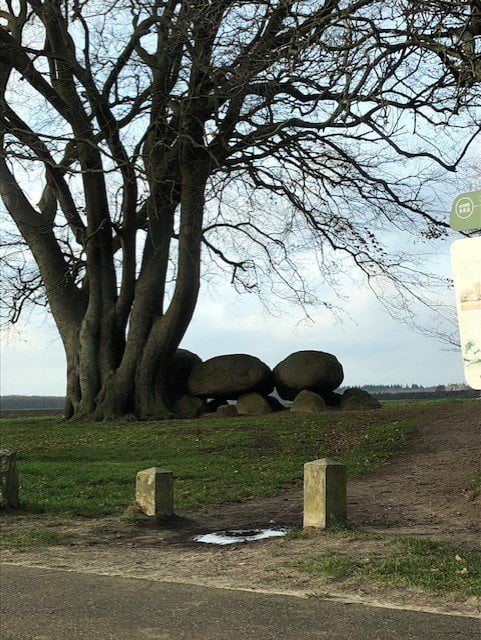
422,492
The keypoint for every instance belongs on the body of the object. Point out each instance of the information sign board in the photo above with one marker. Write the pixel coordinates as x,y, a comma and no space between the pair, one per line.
466,265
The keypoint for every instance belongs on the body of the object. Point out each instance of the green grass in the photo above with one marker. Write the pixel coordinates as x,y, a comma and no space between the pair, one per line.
474,490
331,565
413,562
296,534
77,469
414,402
32,537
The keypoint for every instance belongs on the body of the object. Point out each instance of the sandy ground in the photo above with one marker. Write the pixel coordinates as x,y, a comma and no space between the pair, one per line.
423,493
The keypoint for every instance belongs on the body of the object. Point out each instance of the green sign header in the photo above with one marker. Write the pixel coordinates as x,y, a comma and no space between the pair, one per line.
466,212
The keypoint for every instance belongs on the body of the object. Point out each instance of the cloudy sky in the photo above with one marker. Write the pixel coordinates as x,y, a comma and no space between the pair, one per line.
372,347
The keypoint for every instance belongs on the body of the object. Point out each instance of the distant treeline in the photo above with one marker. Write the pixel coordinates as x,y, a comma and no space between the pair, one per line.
399,388
14,403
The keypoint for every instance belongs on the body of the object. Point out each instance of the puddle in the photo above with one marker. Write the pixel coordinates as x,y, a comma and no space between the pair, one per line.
231,536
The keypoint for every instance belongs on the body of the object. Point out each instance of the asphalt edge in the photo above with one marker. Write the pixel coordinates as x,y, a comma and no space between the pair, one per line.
331,596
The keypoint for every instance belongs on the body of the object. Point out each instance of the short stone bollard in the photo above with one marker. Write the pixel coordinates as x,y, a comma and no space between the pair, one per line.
325,501
154,492
8,480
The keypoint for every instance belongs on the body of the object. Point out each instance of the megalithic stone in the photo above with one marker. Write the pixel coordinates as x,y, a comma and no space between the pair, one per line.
154,492
8,479
325,499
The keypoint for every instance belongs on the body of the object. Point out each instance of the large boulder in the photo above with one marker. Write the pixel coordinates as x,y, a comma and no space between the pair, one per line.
355,398
253,404
307,370
227,411
183,361
308,402
189,407
228,377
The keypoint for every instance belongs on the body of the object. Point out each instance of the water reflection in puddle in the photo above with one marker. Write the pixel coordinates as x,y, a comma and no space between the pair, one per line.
232,536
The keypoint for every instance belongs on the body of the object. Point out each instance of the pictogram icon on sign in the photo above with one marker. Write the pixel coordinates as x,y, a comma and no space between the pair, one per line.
466,212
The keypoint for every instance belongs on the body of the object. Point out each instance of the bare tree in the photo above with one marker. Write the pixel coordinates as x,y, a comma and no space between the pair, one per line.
248,128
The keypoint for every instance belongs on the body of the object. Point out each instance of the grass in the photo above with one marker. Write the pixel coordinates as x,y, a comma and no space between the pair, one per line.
417,402
411,562
330,565
88,470
32,537
296,534
474,490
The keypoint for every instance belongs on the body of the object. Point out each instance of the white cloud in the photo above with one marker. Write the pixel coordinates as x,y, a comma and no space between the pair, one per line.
372,347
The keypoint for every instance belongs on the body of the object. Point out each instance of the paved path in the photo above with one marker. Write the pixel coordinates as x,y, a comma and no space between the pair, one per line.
38,604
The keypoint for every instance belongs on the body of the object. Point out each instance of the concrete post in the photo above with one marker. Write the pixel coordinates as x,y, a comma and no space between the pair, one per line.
154,492
325,501
8,480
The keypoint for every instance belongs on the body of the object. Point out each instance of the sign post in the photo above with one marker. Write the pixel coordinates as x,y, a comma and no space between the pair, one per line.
466,265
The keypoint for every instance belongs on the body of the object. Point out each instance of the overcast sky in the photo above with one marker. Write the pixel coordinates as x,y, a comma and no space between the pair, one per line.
371,346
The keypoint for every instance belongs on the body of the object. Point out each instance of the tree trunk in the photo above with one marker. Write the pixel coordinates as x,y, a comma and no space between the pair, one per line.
119,395
110,377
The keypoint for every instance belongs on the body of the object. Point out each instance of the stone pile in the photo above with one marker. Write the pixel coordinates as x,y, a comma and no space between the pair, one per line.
240,384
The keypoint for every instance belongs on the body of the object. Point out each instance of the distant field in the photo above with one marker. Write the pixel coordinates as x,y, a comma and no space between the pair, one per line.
429,395
15,403
29,413
38,405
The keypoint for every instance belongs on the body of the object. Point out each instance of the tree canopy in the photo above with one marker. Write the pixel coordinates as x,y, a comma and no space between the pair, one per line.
248,132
